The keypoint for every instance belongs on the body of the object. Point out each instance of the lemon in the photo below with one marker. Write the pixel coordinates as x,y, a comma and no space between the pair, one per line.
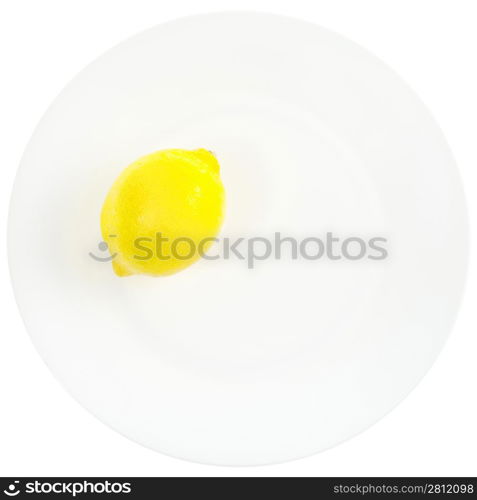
163,212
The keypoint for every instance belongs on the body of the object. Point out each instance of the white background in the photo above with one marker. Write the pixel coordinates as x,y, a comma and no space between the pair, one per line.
432,44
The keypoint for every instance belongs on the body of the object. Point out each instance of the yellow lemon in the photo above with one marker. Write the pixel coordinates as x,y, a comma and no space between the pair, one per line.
163,212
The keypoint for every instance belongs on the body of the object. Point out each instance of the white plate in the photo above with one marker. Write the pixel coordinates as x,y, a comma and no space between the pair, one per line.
223,364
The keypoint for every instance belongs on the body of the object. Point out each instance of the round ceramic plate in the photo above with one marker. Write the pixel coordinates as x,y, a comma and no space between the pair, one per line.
254,358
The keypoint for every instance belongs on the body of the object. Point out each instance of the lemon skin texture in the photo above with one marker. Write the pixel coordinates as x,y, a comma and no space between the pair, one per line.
175,195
